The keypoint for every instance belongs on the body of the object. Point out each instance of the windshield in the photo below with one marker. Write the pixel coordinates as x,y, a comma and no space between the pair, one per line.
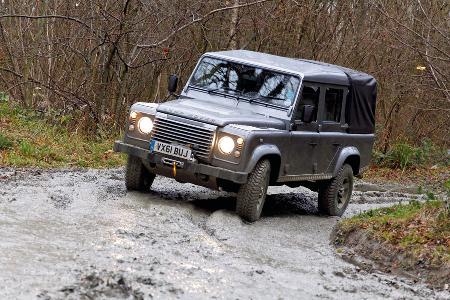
251,83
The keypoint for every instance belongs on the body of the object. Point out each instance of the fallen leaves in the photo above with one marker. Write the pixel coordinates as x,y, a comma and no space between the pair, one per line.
422,229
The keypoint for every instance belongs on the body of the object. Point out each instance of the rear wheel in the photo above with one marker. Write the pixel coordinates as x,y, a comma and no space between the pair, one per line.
252,195
334,195
137,177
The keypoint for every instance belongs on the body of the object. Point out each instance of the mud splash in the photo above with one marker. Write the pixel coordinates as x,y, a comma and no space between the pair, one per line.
78,234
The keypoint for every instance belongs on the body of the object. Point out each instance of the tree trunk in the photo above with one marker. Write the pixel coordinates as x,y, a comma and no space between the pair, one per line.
233,42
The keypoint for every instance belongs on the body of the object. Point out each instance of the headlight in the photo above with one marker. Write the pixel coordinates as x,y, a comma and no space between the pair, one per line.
145,125
226,145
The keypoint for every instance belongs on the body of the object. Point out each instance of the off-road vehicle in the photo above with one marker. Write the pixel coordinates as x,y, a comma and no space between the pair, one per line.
247,120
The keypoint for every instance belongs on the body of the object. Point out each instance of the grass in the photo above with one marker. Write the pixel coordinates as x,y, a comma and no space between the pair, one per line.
421,229
30,140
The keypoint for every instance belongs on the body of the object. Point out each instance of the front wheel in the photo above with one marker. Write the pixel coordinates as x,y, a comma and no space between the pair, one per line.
252,195
137,177
334,194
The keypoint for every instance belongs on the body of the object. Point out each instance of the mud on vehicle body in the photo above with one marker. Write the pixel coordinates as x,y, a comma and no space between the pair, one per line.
248,120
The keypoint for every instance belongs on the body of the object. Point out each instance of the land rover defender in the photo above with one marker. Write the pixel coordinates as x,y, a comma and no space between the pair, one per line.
247,120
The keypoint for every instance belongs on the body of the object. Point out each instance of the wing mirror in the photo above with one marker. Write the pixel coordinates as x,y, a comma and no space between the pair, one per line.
172,84
308,113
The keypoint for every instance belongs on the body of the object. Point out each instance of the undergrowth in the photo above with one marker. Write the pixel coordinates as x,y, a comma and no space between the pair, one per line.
28,138
403,155
425,165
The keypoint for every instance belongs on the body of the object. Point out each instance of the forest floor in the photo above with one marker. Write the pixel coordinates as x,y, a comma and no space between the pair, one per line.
425,179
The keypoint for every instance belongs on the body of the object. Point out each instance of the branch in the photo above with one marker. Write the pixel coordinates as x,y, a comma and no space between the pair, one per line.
380,8
430,21
197,20
56,90
67,18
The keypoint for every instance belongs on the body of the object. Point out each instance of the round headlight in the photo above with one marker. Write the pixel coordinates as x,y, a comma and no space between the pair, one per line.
145,125
226,145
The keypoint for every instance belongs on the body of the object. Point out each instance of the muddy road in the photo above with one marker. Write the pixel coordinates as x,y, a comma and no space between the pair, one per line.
79,234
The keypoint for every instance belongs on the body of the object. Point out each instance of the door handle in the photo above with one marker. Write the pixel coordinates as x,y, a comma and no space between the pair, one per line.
336,144
313,144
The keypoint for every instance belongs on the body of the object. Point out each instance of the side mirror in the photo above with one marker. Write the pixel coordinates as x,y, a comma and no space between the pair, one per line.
308,113
172,84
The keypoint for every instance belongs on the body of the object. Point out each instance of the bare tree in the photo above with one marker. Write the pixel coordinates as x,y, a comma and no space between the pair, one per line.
94,58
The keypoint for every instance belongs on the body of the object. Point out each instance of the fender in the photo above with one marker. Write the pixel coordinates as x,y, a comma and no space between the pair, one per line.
259,152
342,156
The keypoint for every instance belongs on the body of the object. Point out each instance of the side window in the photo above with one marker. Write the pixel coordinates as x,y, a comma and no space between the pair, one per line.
333,104
310,96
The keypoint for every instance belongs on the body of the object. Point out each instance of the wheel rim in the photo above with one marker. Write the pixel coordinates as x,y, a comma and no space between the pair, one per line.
262,194
343,193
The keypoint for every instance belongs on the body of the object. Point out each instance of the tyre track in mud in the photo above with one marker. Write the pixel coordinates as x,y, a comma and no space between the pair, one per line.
79,234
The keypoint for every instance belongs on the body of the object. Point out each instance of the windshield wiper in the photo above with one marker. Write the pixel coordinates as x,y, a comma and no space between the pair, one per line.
223,88
217,91
260,97
197,88
260,100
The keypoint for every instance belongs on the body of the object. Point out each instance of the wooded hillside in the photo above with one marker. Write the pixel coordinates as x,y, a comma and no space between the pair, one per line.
92,59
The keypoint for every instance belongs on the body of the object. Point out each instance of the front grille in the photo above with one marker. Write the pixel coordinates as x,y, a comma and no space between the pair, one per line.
185,133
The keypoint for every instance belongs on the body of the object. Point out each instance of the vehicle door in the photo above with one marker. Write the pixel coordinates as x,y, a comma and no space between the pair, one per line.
304,137
332,126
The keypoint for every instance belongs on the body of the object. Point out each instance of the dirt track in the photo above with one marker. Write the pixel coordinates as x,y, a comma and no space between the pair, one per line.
79,234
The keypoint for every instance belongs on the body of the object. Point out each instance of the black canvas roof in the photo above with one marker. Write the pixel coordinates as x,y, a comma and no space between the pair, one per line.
360,110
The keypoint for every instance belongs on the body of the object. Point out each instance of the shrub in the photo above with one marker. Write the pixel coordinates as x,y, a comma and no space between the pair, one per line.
404,155
26,148
5,143
3,97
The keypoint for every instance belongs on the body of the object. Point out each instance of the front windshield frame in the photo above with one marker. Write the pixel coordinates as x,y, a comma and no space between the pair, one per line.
256,100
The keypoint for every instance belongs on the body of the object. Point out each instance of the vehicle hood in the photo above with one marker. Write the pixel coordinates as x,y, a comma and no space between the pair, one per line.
218,114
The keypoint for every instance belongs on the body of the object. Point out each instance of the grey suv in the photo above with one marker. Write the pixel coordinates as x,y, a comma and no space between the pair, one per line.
247,120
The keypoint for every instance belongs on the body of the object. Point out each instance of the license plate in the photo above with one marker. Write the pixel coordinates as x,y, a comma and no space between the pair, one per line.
170,149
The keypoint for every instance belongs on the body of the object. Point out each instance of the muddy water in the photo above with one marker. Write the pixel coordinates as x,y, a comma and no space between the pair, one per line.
79,234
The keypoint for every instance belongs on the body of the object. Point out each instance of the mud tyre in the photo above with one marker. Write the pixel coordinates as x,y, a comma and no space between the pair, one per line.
335,194
137,177
252,195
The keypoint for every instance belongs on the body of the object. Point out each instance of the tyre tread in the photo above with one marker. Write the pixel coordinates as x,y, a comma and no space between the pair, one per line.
328,190
246,206
137,177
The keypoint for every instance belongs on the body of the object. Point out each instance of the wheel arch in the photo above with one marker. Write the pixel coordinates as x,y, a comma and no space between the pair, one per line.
270,152
348,155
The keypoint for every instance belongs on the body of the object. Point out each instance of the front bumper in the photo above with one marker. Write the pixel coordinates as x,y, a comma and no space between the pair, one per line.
193,168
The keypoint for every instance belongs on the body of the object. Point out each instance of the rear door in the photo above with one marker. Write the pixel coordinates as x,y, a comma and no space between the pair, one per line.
332,126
